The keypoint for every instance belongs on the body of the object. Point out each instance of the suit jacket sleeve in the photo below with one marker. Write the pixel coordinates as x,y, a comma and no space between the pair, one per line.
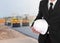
40,15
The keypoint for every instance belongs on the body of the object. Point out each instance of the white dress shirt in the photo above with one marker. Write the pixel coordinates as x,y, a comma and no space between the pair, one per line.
53,4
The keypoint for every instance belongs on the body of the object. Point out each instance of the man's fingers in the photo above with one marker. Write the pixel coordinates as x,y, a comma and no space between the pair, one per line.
35,31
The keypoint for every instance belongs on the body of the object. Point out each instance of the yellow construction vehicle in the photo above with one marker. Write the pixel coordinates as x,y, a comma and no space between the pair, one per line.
15,22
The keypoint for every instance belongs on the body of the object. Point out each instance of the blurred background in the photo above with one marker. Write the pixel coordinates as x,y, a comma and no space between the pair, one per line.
19,15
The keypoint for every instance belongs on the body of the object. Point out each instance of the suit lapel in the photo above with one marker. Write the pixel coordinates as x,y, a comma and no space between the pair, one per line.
46,8
56,6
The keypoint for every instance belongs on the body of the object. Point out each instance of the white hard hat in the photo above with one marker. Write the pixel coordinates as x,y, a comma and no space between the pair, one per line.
41,26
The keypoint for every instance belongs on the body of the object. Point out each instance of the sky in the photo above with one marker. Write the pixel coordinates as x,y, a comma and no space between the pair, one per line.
18,7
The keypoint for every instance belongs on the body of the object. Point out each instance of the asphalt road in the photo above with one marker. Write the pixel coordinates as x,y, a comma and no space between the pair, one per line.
26,30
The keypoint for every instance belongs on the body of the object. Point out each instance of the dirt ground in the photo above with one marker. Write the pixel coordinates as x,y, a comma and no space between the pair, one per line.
8,35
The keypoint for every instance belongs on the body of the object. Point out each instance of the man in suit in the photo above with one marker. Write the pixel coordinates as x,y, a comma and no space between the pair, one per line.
50,11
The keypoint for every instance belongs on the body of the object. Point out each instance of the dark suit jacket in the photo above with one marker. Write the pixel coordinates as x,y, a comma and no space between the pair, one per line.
53,19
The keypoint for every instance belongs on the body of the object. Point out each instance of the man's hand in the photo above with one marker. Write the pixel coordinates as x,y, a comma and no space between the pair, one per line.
34,31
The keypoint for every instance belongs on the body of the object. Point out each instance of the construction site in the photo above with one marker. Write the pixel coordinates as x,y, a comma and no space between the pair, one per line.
9,35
